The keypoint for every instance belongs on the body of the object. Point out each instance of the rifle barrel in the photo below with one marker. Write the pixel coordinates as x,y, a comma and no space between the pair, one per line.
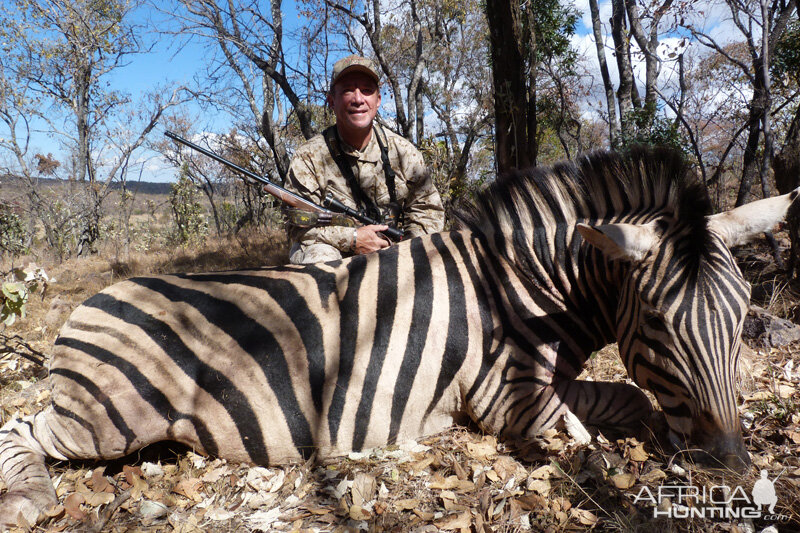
282,194
216,157
285,196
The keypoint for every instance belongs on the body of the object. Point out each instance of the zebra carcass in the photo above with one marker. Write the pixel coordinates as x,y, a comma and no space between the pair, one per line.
493,321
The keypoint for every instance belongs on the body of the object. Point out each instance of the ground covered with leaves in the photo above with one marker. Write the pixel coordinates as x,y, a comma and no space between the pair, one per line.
459,480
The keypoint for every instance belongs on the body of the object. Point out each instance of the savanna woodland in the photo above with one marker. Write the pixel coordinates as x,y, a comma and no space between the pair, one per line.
91,193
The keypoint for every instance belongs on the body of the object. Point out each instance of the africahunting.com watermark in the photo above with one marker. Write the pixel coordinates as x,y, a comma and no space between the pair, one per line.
716,502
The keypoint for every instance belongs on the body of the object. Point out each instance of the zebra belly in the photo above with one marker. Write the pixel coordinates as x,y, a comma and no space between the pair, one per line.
262,367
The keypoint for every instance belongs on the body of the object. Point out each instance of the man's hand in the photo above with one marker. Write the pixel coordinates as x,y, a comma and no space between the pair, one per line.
368,239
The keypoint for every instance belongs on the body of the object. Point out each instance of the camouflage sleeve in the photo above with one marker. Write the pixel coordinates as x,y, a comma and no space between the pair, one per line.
304,179
424,212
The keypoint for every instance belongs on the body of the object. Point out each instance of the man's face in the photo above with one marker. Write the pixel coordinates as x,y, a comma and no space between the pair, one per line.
355,100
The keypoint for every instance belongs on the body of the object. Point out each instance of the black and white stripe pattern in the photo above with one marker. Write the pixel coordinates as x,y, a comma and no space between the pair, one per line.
493,322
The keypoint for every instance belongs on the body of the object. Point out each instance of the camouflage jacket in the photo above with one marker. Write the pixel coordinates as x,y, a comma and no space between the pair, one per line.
313,174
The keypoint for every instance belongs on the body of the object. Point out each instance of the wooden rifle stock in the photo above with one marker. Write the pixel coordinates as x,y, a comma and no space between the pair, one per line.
289,198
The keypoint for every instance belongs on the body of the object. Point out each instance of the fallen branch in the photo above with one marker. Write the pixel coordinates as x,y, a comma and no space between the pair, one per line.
105,516
17,345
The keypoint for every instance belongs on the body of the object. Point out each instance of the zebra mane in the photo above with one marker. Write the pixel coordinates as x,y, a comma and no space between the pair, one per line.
635,186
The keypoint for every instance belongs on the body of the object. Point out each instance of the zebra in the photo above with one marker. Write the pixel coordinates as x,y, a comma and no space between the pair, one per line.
491,322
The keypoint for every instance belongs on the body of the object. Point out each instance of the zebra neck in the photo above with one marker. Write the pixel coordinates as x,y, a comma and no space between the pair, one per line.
563,299
599,284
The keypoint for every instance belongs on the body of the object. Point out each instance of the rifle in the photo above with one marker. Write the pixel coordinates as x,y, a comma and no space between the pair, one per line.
325,214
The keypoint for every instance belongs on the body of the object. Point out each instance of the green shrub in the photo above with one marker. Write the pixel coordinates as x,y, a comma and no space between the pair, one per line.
17,288
12,235
191,226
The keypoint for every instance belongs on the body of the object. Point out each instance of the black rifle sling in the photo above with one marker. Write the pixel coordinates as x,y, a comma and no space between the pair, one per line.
388,171
362,200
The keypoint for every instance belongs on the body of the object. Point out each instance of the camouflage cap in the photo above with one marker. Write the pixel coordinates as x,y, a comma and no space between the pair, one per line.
354,63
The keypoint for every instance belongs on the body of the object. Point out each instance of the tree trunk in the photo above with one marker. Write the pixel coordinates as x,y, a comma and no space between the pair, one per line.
459,173
514,144
611,105
271,131
82,123
208,190
532,124
648,43
91,228
787,178
766,123
787,162
622,52
750,167
420,105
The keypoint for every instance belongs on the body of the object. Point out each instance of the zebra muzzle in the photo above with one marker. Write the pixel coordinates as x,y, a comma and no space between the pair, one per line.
716,449
726,451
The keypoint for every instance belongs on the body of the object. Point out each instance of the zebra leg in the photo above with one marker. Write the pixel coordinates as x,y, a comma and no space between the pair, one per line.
30,490
616,406
526,411
24,444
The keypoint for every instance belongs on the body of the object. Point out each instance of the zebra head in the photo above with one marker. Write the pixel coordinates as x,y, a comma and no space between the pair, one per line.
680,316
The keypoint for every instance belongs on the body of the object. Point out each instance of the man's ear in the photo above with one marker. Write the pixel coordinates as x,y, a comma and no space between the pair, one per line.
329,98
628,242
744,223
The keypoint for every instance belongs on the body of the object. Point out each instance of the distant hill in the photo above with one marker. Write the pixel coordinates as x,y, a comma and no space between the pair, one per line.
144,187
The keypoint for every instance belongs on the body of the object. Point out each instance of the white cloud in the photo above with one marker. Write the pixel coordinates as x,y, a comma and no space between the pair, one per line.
582,6
712,17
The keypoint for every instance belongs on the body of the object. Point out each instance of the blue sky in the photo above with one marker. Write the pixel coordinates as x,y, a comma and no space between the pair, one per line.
169,61
174,59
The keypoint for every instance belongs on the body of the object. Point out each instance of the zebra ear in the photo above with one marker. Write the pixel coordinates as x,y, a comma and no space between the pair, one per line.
744,223
629,242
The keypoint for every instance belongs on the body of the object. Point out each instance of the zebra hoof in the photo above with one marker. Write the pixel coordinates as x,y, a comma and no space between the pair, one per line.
20,510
